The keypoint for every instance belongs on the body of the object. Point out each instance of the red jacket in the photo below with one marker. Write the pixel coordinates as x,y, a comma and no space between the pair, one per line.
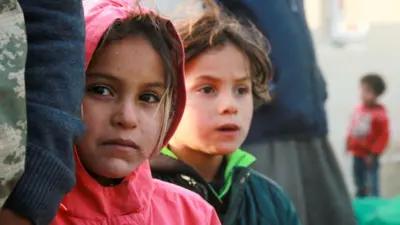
369,131
138,200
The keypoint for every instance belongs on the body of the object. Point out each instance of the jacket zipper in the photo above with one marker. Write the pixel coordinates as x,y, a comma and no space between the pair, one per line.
242,176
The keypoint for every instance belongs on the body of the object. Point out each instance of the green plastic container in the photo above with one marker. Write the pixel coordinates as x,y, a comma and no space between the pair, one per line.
377,211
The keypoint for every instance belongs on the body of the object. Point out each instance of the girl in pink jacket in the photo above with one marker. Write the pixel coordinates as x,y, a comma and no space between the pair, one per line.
134,99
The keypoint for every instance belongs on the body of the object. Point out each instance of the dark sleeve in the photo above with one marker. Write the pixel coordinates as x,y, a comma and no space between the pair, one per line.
282,204
288,212
54,80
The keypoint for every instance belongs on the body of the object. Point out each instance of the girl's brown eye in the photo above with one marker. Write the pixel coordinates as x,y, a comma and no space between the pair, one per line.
100,90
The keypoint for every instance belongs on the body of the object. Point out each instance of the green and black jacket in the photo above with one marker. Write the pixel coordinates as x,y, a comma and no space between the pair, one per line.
240,195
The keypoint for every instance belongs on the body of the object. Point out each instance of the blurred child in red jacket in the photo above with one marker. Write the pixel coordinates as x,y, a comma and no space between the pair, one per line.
368,135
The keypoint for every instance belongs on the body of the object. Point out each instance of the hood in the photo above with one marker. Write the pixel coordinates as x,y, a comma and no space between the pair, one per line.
101,14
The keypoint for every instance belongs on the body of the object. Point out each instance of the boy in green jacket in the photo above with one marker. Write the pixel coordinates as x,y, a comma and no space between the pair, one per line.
227,69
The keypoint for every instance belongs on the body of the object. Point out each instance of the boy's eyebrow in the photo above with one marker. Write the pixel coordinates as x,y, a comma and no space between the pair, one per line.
212,78
243,79
207,77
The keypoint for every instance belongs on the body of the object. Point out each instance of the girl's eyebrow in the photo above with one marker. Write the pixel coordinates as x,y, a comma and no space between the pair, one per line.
103,76
156,84
115,79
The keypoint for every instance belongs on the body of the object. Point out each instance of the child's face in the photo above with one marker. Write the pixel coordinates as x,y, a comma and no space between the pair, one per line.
124,85
368,96
219,104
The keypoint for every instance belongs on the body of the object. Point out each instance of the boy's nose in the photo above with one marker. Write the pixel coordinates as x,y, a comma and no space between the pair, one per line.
126,116
228,106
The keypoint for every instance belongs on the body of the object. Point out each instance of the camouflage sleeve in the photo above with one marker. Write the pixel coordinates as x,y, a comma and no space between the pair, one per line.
54,80
12,96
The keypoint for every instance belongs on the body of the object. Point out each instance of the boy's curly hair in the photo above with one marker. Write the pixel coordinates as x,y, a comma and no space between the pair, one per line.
375,82
214,28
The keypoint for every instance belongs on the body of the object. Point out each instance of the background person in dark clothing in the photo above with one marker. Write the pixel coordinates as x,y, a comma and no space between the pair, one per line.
54,80
289,135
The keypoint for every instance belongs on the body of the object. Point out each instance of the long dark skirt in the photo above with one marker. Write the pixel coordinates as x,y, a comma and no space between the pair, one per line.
309,173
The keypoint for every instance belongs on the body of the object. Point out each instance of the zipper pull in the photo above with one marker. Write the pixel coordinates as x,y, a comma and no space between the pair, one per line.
63,207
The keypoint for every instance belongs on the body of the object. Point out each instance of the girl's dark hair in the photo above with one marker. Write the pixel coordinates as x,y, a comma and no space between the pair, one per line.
214,28
159,33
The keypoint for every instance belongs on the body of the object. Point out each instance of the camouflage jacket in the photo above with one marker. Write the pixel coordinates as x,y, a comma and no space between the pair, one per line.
13,118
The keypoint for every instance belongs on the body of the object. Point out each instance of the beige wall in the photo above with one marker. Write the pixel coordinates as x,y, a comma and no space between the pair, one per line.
377,12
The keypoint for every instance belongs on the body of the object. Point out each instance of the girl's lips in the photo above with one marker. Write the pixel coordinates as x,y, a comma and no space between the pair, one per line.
122,143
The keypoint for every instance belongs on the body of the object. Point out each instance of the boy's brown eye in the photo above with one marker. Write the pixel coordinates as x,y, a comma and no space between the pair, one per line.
242,90
207,89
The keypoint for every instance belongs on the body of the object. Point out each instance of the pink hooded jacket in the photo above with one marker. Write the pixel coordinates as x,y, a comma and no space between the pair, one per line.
139,199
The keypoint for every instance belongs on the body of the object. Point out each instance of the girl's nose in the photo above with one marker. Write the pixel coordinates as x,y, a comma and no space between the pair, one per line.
126,116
